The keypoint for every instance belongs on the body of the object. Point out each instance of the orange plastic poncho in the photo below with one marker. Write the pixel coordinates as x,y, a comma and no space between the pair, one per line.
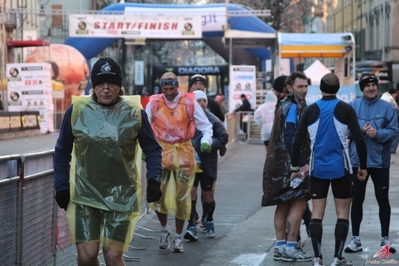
174,128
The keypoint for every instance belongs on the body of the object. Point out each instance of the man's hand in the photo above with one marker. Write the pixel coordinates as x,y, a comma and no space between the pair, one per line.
361,174
222,151
63,197
305,170
369,130
205,147
154,192
296,174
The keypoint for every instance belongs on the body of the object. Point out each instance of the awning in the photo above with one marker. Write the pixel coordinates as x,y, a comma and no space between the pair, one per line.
247,39
315,45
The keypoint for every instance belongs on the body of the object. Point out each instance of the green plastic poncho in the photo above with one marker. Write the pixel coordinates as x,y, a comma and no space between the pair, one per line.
105,167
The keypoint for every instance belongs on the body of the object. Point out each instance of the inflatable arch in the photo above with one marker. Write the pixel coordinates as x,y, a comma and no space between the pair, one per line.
91,47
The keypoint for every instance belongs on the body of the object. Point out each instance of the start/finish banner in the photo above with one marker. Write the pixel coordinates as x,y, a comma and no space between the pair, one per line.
133,27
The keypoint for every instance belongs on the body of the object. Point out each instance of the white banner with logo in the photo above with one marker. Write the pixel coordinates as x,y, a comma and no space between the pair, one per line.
29,89
212,18
242,81
132,27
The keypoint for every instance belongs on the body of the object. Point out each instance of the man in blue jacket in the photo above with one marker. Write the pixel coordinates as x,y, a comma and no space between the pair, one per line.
379,124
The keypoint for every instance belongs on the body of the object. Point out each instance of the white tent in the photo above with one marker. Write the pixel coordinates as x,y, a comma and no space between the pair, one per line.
316,71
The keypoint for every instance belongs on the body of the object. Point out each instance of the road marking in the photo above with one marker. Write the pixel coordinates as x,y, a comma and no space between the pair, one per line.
249,259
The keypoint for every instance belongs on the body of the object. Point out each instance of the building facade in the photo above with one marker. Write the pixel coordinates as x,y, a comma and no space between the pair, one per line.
374,24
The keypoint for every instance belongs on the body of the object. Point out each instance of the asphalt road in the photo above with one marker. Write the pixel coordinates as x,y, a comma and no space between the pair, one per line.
244,230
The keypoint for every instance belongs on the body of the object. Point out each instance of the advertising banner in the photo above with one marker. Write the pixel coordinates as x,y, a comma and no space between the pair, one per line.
242,81
212,18
132,27
29,89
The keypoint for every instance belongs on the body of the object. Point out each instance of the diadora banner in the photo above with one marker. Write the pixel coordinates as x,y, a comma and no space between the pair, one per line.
132,27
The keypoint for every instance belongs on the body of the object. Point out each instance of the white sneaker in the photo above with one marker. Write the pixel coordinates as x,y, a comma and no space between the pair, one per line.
178,245
317,262
164,239
354,245
295,255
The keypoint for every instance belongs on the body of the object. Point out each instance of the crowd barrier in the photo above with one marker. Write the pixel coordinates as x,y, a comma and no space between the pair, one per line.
33,230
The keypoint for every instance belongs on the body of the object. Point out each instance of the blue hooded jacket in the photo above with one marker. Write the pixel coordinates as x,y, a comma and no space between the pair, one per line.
382,116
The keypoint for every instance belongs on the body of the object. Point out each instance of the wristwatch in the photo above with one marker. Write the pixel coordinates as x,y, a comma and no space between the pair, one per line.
294,169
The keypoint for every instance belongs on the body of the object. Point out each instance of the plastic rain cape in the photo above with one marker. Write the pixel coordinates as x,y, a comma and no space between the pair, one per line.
276,171
264,115
105,167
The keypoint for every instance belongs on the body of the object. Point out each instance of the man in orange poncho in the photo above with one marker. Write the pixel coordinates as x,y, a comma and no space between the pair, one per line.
174,116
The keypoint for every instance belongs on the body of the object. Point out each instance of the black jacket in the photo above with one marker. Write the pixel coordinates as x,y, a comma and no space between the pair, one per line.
215,109
220,137
245,106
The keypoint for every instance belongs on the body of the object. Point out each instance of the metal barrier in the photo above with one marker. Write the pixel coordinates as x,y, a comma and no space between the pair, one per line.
27,233
246,129
33,230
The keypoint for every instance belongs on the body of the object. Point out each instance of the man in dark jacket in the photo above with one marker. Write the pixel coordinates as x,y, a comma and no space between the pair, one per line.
198,82
95,166
245,106
206,172
291,203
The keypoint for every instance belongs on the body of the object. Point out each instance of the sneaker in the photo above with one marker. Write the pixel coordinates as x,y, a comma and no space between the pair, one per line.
191,234
177,245
210,229
317,262
278,255
295,255
385,241
164,239
354,245
341,262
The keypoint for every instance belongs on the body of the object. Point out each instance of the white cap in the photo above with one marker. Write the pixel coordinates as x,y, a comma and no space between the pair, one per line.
200,95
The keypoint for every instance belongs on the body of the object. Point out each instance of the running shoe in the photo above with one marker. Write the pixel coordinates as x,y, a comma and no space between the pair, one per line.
164,239
341,262
295,255
191,234
317,262
385,241
177,245
354,245
278,255
210,229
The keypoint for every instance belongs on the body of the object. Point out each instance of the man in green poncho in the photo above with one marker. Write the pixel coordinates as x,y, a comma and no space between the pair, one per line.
96,166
